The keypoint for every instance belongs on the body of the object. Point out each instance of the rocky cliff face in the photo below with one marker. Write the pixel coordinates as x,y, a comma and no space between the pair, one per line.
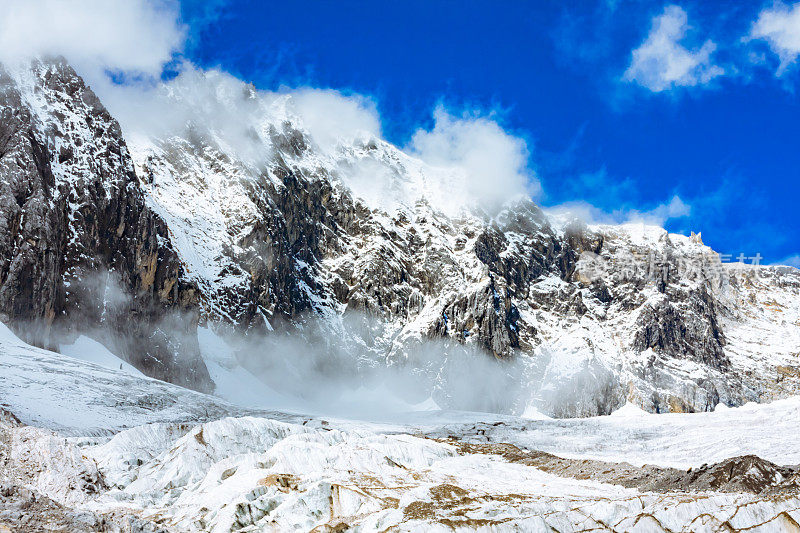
598,315
79,249
280,238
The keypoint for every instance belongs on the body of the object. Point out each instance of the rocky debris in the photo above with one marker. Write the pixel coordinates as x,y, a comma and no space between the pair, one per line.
80,252
24,468
748,473
24,510
8,418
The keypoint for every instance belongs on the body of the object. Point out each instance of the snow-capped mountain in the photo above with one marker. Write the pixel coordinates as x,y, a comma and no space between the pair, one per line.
269,231
237,250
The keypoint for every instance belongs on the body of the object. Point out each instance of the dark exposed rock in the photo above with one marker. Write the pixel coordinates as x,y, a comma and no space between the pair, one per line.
70,237
492,317
693,333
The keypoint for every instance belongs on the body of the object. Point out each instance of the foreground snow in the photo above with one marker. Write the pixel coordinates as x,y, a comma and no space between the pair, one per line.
676,440
249,473
192,462
53,391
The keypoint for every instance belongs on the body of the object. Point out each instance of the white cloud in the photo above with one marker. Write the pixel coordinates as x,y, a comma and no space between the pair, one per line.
474,160
662,63
675,208
657,216
136,36
779,26
202,103
330,116
492,164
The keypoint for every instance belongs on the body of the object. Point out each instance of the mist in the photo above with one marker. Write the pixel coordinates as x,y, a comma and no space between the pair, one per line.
353,366
349,371
359,368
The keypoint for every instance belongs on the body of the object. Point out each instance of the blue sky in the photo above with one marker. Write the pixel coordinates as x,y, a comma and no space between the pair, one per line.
685,112
723,137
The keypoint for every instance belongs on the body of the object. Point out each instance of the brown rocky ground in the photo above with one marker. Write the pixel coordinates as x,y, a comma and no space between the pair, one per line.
745,473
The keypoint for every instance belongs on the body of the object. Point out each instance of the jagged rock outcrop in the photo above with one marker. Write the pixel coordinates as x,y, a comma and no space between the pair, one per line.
693,333
301,245
277,235
79,249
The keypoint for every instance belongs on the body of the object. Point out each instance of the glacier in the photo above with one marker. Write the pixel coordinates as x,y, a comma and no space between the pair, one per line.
156,465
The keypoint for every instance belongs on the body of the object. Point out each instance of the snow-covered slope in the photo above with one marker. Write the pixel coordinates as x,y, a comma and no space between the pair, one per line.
175,460
92,351
66,393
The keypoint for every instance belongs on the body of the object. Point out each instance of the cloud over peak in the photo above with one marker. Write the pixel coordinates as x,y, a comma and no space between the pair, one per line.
135,36
494,163
659,215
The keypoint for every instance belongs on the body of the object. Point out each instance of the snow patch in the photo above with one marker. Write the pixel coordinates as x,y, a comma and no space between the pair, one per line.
91,351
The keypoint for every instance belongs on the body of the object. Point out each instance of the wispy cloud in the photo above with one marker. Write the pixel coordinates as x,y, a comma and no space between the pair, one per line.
792,261
658,215
662,63
199,15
